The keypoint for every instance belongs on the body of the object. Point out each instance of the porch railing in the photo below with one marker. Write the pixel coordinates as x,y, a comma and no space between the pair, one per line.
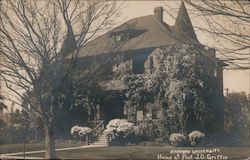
94,123
98,127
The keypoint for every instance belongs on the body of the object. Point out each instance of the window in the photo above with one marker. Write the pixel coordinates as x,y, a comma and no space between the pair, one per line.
118,38
139,115
155,113
148,65
121,37
138,63
125,34
215,73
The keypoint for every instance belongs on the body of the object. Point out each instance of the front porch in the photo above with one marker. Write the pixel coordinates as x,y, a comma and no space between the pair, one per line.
110,107
149,128
113,107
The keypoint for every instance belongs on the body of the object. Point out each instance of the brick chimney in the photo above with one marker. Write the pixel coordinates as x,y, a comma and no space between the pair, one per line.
158,13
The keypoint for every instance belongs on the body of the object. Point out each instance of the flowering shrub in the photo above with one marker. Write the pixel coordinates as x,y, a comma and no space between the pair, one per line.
126,128
121,132
80,131
120,127
195,137
177,139
114,123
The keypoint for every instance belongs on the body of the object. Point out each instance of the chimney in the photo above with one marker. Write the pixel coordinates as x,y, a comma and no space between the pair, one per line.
159,13
211,52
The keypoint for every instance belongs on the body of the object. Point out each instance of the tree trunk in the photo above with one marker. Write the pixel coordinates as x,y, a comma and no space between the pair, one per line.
50,152
36,137
11,135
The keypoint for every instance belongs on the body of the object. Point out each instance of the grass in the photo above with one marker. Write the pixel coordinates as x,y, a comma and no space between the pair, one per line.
12,148
144,152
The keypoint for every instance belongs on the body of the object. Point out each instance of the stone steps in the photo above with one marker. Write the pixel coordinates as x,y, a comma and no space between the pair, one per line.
103,140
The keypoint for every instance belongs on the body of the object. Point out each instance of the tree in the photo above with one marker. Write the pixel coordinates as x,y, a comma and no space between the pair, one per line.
2,105
227,25
40,42
29,117
237,117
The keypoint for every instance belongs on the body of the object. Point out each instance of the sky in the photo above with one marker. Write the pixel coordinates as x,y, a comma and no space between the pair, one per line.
234,80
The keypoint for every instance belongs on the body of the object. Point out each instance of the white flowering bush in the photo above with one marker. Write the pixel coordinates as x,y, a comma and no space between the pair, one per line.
195,137
80,131
121,132
126,128
112,126
177,139
118,127
114,123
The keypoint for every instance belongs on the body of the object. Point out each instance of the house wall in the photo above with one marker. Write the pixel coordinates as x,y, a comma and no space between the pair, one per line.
115,108
217,98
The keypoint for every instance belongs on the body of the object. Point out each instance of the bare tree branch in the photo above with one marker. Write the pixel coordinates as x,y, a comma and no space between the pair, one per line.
40,42
227,25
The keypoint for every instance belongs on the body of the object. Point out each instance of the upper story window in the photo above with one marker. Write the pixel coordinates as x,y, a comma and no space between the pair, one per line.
215,72
148,65
120,35
118,38
138,63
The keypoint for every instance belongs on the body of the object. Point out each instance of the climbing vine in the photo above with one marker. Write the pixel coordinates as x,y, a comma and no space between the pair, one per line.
179,86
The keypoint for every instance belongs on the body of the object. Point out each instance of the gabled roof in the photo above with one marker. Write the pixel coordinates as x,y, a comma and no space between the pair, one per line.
151,33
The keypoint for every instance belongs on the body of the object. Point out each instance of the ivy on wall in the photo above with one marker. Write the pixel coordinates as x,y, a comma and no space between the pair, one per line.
181,87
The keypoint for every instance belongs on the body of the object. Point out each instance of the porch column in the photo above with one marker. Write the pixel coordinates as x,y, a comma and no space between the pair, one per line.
98,112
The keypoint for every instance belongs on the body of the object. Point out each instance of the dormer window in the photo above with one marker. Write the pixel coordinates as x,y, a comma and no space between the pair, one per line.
118,38
121,37
125,34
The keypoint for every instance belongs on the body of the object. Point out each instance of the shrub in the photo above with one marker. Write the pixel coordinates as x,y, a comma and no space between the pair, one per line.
115,123
195,137
126,128
151,130
80,131
111,128
121,130
120,127
177,139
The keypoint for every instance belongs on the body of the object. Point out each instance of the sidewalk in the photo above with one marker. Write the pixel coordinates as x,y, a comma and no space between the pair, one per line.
15,155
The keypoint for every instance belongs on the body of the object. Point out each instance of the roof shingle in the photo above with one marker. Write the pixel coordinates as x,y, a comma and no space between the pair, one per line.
154,33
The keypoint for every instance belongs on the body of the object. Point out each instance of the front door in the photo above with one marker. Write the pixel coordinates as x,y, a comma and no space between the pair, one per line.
113,108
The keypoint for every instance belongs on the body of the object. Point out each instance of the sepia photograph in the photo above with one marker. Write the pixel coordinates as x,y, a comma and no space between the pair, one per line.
125,80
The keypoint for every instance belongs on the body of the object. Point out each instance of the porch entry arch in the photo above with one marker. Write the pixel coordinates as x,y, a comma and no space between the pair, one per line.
112,107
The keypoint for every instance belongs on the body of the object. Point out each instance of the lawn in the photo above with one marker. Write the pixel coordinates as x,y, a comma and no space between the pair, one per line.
12,148
150,152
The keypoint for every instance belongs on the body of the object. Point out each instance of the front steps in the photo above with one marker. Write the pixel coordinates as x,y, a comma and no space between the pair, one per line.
103,140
